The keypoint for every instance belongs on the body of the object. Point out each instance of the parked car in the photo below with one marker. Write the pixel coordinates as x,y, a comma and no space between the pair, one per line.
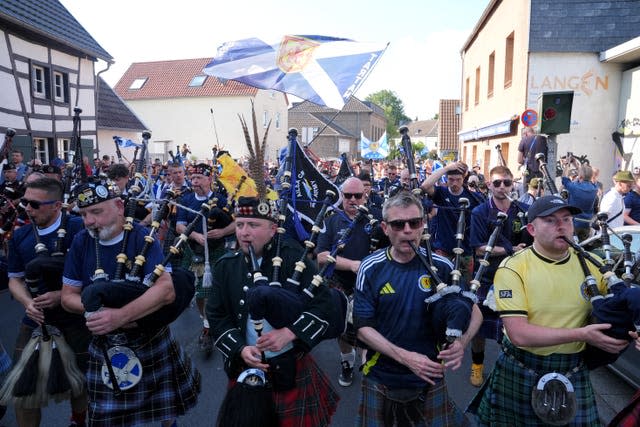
627,366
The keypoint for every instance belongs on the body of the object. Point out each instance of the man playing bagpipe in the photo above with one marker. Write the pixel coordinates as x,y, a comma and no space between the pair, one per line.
348,260
214,237
137,372
403,375
513,237
543,297
299,393
43,204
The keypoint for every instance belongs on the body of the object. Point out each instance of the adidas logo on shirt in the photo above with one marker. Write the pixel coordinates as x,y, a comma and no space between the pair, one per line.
387,289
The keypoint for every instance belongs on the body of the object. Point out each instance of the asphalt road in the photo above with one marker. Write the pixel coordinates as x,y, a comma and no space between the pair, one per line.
612,393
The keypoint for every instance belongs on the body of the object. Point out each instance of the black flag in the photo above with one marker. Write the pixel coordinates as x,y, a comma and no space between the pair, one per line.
345,170
308,190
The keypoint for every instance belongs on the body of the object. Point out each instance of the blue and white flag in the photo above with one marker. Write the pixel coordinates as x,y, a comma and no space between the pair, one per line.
324,70
374,150
125,143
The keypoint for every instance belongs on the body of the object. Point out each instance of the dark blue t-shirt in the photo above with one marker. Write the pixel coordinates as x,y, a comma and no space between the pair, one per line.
390,298
632,201
582,194
444,234
21,251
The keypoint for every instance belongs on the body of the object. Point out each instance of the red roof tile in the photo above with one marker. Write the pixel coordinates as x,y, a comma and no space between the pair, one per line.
170,79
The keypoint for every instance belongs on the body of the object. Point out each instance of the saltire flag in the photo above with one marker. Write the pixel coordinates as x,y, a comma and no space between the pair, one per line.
125,142
374,150
230,175
345,170
308,189
324,70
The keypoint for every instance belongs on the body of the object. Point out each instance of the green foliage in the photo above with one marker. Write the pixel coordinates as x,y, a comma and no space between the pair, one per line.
393,110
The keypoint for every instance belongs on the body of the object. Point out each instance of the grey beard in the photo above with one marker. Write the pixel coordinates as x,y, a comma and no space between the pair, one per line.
104,233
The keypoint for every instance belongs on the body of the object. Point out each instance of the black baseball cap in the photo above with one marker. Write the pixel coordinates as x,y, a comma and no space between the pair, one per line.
547,205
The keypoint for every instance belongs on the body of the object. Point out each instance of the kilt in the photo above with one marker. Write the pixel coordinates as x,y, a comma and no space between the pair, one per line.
505,398
438,408
169,386
630,415
311,403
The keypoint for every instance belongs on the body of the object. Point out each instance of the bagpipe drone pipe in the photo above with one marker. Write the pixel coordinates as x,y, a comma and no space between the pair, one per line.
47,366
620,307
281,304
118,292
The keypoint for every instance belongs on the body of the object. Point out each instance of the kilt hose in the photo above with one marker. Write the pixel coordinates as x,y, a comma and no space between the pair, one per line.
438,409
169,386
505,398
311,403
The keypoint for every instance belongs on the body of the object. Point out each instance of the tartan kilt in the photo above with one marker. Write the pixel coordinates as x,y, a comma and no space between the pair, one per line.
312,402
438,409
505,398
630,415
214,255
169,386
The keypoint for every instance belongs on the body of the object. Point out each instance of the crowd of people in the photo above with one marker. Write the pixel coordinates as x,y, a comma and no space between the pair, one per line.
504,232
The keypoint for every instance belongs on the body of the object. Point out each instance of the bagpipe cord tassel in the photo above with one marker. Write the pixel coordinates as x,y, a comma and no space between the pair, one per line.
206,276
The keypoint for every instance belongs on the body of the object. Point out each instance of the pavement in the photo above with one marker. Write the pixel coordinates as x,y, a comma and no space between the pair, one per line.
612,393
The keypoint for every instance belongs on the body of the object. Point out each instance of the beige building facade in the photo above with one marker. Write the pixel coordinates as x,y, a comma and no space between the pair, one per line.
516,53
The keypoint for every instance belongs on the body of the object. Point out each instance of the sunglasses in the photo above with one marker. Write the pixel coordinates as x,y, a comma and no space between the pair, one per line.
499,182
35,204
398,224
352,195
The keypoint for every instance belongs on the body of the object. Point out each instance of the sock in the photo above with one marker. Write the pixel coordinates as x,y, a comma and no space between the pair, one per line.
477,358
349,357
205,323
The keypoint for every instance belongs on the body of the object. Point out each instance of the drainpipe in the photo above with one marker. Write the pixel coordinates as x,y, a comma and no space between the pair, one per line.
96,95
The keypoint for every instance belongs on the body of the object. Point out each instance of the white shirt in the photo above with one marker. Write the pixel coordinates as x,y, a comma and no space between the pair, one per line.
613,204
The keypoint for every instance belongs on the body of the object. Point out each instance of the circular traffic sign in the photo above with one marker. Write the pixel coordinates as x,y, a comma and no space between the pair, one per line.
529,118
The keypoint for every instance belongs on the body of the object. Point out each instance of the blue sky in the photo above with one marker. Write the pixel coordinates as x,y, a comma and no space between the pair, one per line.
421,65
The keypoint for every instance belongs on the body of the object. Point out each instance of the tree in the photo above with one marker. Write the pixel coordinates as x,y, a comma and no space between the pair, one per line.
393,110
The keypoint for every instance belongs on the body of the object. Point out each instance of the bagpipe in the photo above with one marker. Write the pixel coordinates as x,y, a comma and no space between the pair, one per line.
549,181
620,306
119,291
5,149
281,304
47,367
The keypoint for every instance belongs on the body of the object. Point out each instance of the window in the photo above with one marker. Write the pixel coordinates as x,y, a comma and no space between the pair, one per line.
197,81
476,94
41,146
508,61
60,86
62,148
277,120
265,119
40,82
492,63
466,95
308,134
138,83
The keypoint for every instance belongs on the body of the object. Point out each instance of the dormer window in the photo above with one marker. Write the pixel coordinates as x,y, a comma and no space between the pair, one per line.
138,83
197,81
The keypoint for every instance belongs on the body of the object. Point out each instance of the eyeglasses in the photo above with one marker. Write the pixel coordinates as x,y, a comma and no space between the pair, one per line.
35,204
352,195
398,224
499,182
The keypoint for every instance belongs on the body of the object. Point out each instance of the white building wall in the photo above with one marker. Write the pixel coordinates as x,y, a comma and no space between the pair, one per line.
629,115
190,121
594,114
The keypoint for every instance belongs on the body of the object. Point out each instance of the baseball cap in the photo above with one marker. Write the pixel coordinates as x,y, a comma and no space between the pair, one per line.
547,205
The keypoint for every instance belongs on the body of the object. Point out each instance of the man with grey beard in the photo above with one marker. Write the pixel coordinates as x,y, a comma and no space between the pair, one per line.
166,385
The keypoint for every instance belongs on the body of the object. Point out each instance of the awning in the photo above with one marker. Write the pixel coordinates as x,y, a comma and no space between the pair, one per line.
502,127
